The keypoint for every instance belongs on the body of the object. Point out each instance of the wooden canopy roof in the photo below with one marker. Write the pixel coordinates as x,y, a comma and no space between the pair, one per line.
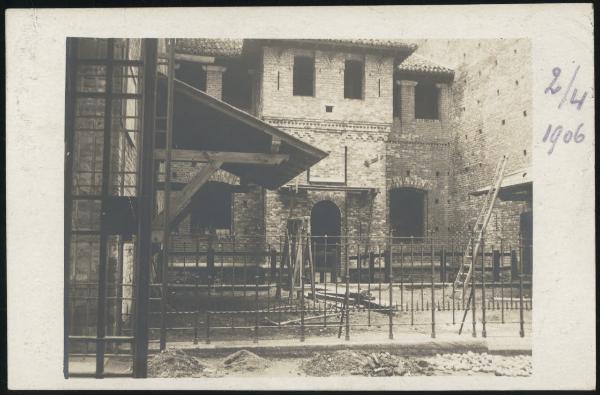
202,123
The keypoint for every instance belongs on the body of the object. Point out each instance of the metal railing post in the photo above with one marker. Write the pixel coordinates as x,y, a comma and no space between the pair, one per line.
483,301
521,318
256,311
209,278
474,298
347,303
391,288
432,293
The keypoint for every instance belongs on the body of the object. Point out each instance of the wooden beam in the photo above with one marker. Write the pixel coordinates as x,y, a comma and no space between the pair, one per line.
275,144
246,158
195,58
180,203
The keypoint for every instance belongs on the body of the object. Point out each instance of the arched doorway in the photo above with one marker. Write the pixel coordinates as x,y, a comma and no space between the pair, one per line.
407,212
326,220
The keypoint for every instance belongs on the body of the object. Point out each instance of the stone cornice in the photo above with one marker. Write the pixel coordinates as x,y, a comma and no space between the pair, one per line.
329,125
414,139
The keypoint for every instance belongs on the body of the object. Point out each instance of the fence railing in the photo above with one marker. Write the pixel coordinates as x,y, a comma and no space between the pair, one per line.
233,289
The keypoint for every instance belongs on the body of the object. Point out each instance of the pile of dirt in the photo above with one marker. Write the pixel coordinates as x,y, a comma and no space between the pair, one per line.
176,363
244,360
347,362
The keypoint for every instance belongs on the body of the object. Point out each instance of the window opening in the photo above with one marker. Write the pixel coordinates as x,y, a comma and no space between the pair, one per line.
304,76
426,101
353,79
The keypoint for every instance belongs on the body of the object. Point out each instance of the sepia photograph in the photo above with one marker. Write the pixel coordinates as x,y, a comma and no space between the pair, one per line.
312,207
301,198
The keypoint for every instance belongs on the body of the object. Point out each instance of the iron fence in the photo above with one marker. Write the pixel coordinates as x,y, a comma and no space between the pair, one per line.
240,288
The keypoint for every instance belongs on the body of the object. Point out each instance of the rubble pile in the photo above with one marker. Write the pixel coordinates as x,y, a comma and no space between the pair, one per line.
347,362
176,363
244,360
519,365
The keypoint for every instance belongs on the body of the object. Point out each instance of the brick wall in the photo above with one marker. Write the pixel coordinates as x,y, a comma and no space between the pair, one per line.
365,168
424,166
491,115
277,83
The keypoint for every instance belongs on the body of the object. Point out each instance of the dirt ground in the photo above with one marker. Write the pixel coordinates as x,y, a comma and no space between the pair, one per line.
177,363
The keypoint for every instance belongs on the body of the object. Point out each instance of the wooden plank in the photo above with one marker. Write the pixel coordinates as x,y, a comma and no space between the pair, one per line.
296,320
195,58
246,158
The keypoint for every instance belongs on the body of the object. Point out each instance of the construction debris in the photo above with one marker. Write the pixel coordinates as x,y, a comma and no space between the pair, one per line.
347,362
244,360
177,363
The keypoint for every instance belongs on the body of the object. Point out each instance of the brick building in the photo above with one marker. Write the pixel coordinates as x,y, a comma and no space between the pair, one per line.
375,141
409,140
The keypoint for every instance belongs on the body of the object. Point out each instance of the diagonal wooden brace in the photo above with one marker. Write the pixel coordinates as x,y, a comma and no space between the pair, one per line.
182,202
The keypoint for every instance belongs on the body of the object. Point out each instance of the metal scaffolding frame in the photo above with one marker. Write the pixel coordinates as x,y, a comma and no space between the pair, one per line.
108,84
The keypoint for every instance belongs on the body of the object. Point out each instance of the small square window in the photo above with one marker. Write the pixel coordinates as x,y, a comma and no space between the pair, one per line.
524,113
504,122
328,108
408,172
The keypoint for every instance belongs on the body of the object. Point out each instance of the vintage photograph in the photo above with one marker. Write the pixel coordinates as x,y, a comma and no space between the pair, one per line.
298,207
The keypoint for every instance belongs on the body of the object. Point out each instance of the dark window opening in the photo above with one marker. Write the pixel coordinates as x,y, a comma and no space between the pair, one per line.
353,79
237,86
526,230
407,212
192,74
396,100
304,76
328,108
211,210
426,101
325,220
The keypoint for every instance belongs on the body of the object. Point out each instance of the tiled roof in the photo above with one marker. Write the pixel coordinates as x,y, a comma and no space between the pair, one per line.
221,47
370,43
418,64
233,47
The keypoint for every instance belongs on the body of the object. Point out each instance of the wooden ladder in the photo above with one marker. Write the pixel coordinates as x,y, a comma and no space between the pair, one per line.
466,268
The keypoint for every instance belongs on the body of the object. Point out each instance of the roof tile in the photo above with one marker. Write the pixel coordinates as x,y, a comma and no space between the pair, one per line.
221,47
418,64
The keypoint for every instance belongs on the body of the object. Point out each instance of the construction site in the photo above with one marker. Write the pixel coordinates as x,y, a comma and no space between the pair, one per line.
361,207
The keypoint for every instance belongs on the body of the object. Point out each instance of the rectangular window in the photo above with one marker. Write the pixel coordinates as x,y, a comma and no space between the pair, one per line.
304,76
353,79
426,101
211,210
